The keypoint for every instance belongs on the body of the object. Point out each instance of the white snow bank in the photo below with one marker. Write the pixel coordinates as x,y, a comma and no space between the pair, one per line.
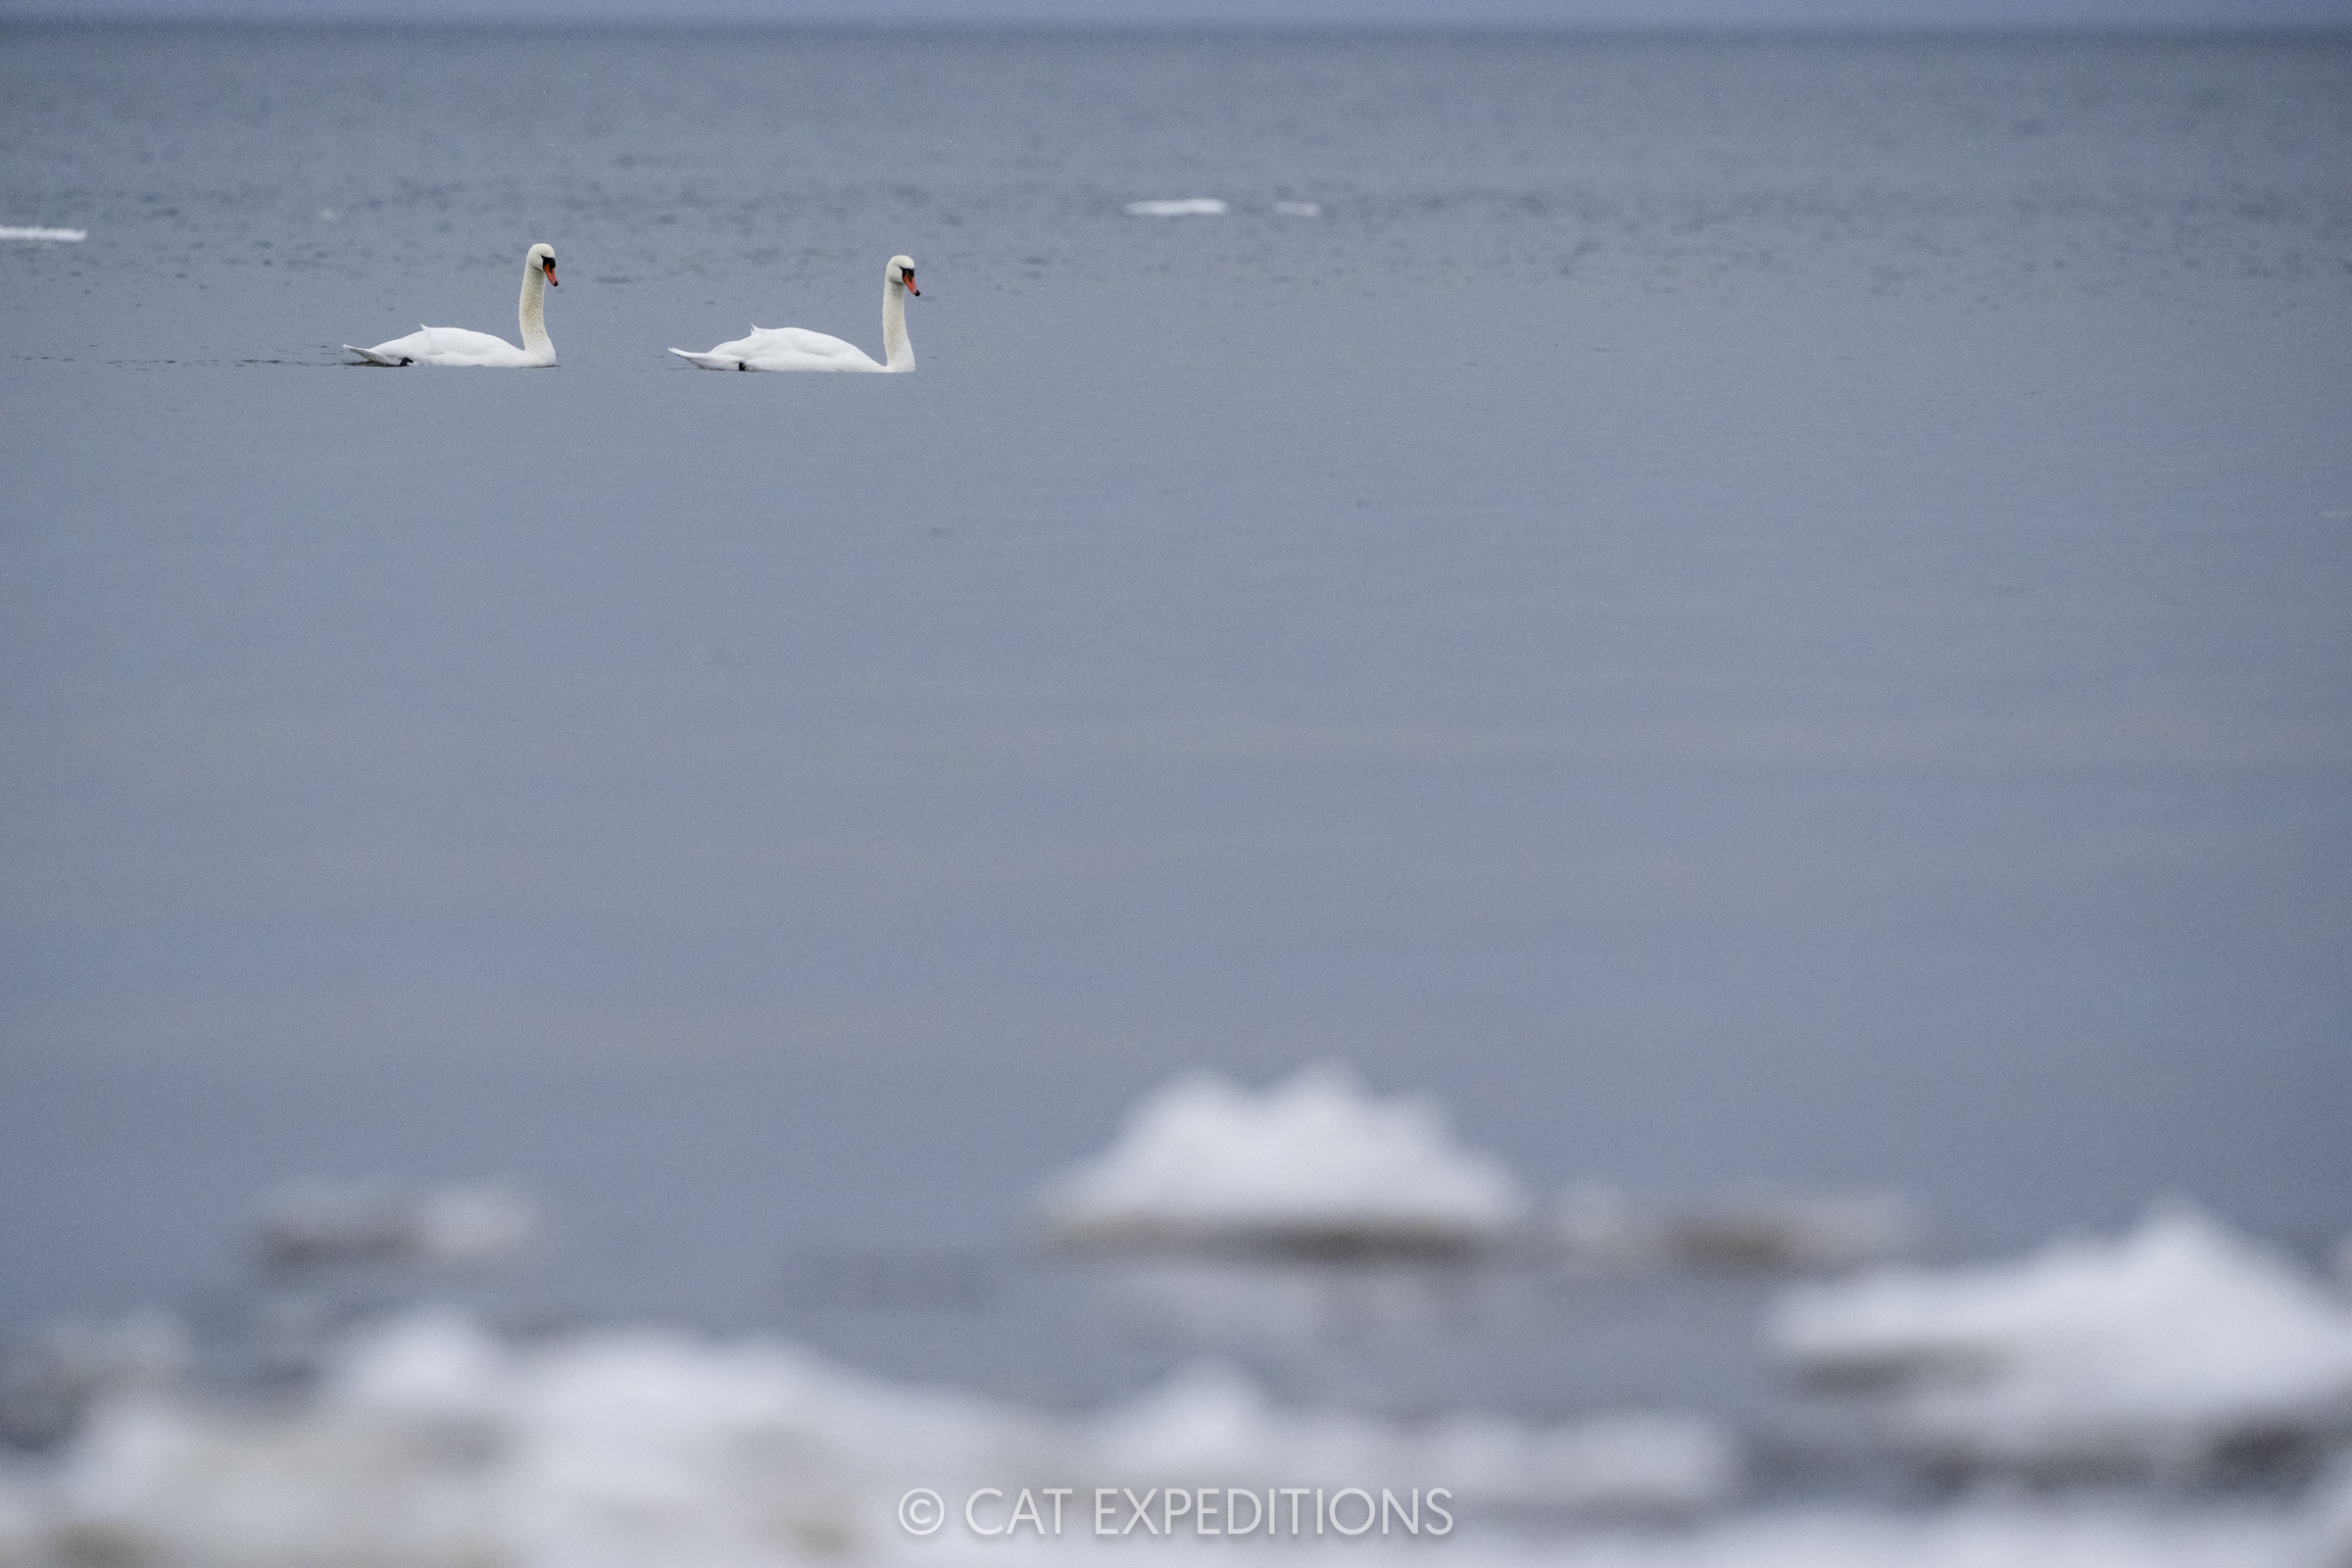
1313,1164
431,1441
1757,1230
63,235
1189,207
1213,1423
457,1225
2178,1347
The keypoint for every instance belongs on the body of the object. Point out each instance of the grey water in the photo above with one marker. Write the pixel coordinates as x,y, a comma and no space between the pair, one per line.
1733,610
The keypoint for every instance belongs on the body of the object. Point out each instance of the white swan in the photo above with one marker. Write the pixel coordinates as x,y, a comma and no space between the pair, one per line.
795,348
454,345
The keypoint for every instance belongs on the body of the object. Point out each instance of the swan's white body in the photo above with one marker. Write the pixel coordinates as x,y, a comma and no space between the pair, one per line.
455,345
796,348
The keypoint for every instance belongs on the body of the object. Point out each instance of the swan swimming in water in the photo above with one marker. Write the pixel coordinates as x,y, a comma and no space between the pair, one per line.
454,345
796,348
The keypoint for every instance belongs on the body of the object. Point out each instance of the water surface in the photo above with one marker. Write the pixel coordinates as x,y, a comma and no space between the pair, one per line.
1738,612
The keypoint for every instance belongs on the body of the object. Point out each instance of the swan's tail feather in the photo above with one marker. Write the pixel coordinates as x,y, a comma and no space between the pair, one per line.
371,357
710,362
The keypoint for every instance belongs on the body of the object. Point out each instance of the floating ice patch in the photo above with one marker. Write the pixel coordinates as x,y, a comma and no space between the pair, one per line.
457,1225
67,235
1314,1165
2178,1348
1298,208
1189,207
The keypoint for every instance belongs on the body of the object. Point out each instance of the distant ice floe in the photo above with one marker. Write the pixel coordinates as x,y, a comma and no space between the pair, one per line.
1313,1167
429,1441
1189,207
2180,1348
1597,1229
61,236
1298,208
459,1225
1316,1168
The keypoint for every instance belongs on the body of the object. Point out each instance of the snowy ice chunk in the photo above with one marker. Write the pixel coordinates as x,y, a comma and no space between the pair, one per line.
1189,207
1312,1166
432,1367
435,1444
453,1226
1213,1422
2179,1347
61,236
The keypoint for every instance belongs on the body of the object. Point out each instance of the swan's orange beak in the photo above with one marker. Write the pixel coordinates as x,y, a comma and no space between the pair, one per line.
549,268
910,288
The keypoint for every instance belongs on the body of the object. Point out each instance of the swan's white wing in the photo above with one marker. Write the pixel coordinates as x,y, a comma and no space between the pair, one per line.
782,348
451,345
796,348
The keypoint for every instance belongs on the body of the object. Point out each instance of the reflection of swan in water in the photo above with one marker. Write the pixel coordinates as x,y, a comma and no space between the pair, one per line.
455,345
796,348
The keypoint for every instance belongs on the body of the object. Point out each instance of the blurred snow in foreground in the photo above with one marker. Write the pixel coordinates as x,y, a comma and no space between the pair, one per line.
2179,1348
433,1444
1310,1166
2181,1355
428,1440
431,1441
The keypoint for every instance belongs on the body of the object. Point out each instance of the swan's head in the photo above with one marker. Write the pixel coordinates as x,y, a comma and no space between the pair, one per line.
901,271
542,257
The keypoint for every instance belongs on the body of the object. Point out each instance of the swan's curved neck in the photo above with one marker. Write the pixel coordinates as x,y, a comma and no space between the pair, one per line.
898,353
534,311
